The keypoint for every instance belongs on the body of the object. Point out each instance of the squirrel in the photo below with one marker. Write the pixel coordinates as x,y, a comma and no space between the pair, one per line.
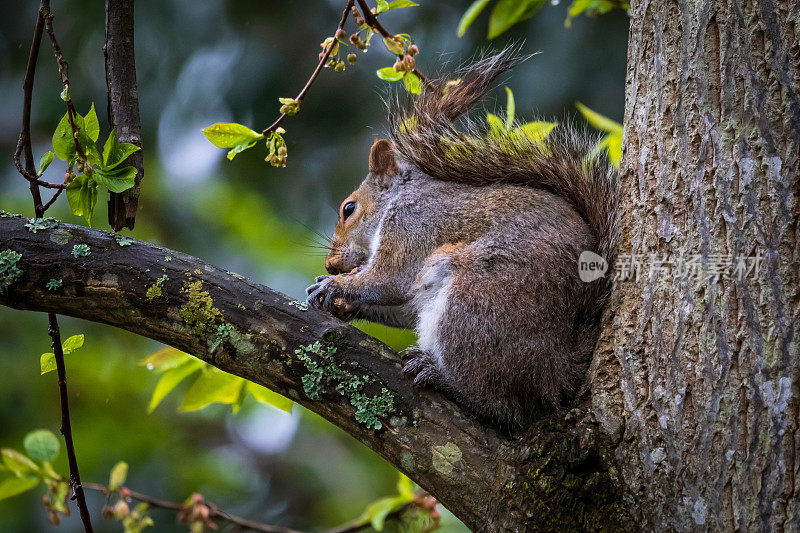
474,241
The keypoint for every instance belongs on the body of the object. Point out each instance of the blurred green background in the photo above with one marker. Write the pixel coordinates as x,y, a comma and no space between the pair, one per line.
218,61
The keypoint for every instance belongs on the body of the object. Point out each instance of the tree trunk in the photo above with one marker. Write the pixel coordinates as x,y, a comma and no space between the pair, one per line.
696,373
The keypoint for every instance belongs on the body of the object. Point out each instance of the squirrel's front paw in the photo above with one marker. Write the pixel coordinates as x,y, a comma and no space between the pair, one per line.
328,294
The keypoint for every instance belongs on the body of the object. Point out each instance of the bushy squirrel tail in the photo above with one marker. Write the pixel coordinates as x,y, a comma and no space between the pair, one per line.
564,162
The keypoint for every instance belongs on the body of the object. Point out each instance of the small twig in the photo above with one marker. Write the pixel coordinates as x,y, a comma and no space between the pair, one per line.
63,71
372,21
24,142
214,511
53,199
66,427
302,94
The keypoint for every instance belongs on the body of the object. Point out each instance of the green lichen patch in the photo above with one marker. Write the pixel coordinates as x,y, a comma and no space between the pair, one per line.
223,332
122,240
199,311
167,258
54,284
154,291
60,236
80,250
35,224
323,371
303,306
9,269
6,214
445,457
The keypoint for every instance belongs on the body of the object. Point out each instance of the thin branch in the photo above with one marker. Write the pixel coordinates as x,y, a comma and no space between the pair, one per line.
214,511
66,427
302,94
63,71
372,21
24,142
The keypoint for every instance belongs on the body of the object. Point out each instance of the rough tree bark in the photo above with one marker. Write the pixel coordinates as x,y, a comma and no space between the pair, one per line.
691,416
697,377
123,105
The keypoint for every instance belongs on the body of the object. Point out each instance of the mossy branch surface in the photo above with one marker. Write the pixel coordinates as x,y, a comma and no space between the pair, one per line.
322,363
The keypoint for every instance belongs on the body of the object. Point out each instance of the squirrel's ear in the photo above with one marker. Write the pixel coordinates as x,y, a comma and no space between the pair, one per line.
381,158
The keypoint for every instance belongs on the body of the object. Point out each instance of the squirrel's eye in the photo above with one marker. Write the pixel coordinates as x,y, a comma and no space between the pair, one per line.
347,210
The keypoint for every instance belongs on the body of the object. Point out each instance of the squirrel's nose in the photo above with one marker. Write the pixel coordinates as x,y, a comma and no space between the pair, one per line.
330,267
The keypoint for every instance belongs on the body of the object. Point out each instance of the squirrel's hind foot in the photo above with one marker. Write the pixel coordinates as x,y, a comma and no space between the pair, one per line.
421,366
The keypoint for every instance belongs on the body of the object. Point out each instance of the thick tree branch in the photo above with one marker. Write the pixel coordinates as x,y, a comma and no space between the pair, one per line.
123,105
489,481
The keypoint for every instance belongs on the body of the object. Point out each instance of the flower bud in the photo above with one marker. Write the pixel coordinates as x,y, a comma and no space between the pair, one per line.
352,58
339,67
398,66
341,35
413,50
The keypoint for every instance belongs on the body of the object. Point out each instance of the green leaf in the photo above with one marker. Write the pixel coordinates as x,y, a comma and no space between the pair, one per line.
115,153
389,74
264,395
72,343
395,46
397,4
42,445
239,148
212,386
63,141
117,476
82,197
506,13
470,15
496,125
117,180
45,161
47,361
383,5
171,378
412,83
510,109
535,131
613,144
91,125
166,359
19,464
599,121
230,134
405,487
16,485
